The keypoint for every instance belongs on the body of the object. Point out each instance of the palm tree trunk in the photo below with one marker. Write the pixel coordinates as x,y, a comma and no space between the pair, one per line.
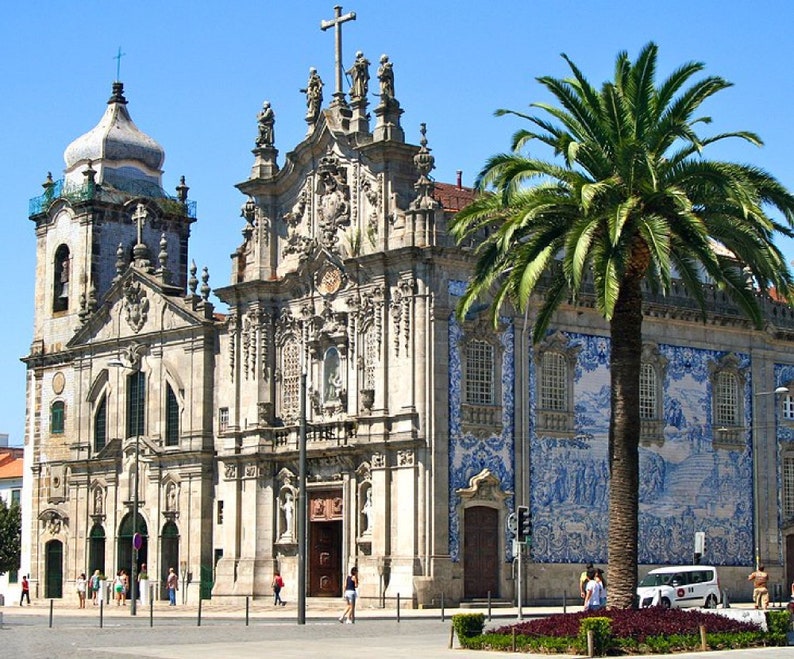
624,436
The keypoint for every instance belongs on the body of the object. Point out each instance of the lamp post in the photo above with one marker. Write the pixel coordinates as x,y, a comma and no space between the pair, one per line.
117,363
302,507
758,476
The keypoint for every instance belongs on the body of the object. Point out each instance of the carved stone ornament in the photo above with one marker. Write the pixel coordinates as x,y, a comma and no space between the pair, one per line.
485,486
405,458
229,471
329,279
334,206
136,305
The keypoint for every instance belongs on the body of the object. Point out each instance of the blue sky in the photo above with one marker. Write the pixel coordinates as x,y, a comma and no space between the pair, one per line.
196,73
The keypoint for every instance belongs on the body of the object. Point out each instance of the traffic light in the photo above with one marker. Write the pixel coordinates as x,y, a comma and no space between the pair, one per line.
524,524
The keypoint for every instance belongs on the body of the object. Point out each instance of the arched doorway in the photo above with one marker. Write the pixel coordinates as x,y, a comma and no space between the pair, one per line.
481,552
96,549
169,555
53,570
124,555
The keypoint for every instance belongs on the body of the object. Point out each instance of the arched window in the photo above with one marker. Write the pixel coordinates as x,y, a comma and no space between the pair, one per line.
57,417
332,376
61,275
101,425
136,404
171,418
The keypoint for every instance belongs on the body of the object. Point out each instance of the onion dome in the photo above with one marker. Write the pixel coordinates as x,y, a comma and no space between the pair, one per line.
122,155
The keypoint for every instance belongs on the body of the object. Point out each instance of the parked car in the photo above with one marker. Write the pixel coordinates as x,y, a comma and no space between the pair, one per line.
680,586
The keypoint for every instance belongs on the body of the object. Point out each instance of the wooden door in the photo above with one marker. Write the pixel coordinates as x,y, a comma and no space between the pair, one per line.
325,560
481,552
325,544
53,580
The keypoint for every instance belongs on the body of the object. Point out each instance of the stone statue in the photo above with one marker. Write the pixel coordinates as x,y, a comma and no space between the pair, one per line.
314,95
386,77
288,506
368,512
266,120
98,507
170,498
359,74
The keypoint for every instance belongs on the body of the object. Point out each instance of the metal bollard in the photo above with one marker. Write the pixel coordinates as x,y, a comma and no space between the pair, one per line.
398,607
198,624
52,604
442,607
246,610
151,610
101,613
565,601
489,606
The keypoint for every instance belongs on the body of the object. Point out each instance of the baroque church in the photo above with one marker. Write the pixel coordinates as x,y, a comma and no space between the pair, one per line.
423,432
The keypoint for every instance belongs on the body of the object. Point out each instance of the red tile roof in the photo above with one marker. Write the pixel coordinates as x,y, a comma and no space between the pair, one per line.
10,463
452,197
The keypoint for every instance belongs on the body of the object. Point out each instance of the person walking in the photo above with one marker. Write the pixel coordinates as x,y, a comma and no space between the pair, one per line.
760,580
172,584
278,584
25,591
593,592
583,580
351,583
81,584
118,588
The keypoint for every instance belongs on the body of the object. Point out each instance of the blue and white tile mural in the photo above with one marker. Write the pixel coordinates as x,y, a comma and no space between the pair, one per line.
686,484
469,455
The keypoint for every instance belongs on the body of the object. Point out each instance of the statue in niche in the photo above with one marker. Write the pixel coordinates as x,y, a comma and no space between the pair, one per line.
288,507
266,119
314,95
170,498
386,78
333,378
98,501
359,74
368,513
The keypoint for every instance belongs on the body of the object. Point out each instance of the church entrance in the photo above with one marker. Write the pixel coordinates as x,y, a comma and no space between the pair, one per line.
96,550
481,552
124,555
325,544
169,555
53,576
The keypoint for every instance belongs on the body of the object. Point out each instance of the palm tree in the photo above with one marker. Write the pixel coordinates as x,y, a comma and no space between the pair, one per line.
630,201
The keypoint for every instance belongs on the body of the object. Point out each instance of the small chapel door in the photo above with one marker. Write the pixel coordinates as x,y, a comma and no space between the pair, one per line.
481,552
53,577
325,545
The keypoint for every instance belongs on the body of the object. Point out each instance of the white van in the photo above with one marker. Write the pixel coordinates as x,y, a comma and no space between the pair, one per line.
678,586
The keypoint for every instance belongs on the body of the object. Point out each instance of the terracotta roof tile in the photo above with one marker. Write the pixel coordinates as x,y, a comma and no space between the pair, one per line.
452,197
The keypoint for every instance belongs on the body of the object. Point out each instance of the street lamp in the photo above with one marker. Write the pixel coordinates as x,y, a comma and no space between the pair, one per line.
758,476
117,363
302,507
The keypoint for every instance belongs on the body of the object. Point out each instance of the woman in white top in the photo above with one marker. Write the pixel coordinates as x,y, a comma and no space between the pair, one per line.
81,582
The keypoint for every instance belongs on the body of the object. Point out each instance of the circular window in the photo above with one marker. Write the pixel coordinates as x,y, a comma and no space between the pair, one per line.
58,382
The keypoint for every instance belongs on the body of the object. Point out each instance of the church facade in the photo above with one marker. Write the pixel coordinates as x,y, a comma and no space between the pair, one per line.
156,422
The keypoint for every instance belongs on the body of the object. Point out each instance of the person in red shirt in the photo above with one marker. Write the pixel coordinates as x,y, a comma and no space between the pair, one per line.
25,591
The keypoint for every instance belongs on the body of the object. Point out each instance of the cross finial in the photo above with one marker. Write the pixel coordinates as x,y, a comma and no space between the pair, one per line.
336,23
139,217
118,57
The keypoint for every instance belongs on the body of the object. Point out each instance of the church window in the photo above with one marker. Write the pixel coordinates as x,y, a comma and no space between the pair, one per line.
479,373
171,417
136,404
101,425
648,392
788,487
726,399
554,382
371,355
223,419
788,407
61,276
57,417
290,369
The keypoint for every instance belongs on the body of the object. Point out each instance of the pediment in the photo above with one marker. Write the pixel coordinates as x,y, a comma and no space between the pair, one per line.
136,305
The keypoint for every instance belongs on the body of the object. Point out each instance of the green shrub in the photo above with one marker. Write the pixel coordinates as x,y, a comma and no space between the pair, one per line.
467,626
778,624
602,634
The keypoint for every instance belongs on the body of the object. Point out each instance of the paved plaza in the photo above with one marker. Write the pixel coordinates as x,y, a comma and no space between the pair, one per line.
273,631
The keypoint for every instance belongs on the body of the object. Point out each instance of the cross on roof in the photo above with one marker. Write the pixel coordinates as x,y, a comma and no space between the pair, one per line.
336,23
139,216
118,57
